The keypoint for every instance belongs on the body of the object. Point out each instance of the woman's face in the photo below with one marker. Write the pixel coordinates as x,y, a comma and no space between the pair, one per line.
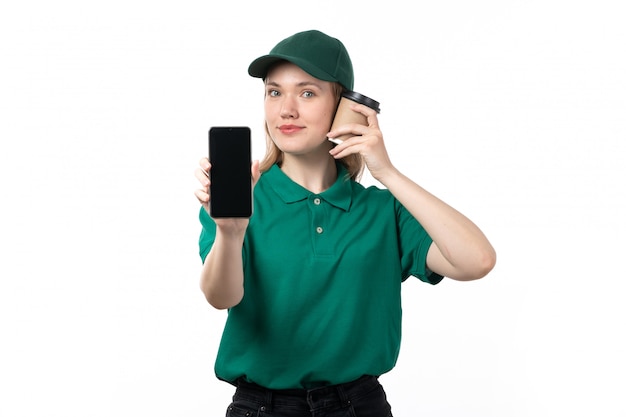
299,109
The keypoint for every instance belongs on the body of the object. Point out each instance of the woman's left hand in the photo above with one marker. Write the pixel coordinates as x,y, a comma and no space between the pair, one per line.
364,140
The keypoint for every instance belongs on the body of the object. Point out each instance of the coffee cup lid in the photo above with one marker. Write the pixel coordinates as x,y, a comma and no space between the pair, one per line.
361,99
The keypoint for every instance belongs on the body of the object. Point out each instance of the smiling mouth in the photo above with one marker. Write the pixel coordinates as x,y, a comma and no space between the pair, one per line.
289,129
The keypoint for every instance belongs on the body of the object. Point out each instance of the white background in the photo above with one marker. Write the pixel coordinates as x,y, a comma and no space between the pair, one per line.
511,111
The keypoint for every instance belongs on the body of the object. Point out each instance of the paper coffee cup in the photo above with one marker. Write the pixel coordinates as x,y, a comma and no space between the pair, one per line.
345,115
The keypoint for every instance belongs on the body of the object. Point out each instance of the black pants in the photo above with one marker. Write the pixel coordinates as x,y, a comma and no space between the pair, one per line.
364,397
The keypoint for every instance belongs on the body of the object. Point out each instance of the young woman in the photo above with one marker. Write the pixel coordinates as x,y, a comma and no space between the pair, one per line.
312,280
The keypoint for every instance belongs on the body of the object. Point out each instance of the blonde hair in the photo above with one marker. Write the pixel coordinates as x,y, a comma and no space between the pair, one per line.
354,163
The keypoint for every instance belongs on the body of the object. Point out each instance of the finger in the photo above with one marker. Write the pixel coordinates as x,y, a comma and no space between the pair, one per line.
372,120
204,163
202,196
369,113
202,176
363,109
350,129
350,146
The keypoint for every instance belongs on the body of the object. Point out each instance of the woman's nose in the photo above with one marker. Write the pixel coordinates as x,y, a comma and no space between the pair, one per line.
288,109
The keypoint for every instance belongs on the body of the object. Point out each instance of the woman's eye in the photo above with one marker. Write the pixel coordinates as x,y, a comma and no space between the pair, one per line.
308,94
272,93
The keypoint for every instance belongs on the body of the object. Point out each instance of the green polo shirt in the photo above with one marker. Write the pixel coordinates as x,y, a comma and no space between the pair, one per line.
322,277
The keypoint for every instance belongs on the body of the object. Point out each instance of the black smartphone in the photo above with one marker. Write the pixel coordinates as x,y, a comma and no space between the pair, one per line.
231,180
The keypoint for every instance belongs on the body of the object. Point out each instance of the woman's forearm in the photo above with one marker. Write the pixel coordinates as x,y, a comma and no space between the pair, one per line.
461,249
221,277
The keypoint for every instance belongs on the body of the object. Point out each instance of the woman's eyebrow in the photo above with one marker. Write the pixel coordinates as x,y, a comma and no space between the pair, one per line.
300,84
309,83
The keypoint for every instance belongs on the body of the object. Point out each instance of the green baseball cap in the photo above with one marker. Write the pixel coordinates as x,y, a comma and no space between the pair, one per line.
320,55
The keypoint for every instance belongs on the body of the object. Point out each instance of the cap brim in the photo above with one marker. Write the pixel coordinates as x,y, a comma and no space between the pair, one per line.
259,67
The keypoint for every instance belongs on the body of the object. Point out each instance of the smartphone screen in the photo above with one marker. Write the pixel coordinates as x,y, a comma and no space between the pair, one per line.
231,181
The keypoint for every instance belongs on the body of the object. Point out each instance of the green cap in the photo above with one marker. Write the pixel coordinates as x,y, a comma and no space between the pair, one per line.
318,54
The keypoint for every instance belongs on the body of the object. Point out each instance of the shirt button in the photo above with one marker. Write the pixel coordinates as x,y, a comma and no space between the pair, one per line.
317,201
319,230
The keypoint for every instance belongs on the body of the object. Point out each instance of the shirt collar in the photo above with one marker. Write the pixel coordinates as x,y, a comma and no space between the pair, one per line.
339,194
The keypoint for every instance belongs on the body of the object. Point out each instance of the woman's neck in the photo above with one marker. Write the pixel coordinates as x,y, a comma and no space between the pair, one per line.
314,175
